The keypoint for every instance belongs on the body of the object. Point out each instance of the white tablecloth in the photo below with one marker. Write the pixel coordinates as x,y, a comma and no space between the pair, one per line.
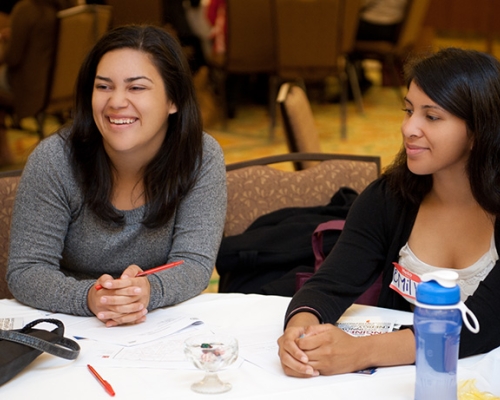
52,378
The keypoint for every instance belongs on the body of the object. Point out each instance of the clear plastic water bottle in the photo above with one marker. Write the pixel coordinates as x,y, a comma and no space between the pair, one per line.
437,322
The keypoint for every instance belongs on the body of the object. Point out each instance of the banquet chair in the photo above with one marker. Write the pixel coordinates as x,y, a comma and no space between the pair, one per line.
298,122
314,48
389,53
79,29
136,12
255,188
8,187
249,50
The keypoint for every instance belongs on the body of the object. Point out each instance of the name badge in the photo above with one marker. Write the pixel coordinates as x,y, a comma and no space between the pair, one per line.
404,282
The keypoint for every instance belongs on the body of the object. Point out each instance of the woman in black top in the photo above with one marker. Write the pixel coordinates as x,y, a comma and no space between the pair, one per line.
440,197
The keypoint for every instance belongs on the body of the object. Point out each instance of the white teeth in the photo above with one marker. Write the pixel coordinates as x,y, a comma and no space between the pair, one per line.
122,121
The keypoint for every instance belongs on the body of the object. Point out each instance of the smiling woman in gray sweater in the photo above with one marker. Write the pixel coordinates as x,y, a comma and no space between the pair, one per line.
134,183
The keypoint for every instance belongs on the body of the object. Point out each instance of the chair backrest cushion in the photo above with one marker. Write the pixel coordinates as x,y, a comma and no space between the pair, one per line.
79,29
298,120
350,21
137,12
250,43
258,190
412,25
307,47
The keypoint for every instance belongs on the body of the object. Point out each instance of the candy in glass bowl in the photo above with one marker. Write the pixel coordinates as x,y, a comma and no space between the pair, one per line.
211,352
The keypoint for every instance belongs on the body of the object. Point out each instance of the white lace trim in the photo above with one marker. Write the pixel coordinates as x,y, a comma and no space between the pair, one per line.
469,278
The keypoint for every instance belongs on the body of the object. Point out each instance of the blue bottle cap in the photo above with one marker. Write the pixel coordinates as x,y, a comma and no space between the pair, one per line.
433,293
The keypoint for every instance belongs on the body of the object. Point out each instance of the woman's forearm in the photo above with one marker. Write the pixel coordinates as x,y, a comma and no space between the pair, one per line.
389,349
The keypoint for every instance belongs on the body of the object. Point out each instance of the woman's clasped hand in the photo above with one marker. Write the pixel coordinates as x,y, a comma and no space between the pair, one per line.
121,301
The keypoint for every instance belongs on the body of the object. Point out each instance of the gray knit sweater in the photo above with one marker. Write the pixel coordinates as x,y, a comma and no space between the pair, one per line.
58,247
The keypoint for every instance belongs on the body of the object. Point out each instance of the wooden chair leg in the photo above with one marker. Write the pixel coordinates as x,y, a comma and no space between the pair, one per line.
5,153
40,120
16,122
274,84
3,116
354,83
343,104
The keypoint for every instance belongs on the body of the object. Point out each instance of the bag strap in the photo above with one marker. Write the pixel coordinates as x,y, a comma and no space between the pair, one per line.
62,347
317,239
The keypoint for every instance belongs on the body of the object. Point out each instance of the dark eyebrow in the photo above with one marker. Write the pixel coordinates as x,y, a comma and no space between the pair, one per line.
128,80
102,78
136,78
430,106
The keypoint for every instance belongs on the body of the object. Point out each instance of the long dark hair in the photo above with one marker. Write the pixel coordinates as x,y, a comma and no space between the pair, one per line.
465,83
173,171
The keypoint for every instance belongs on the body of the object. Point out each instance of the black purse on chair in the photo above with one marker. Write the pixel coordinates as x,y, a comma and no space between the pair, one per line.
18,348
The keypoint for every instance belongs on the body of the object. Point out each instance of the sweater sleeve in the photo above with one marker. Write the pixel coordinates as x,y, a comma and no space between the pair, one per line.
49,206
199,224
45,203
355,262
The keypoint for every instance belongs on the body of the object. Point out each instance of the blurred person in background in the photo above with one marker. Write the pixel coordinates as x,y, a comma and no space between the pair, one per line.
175,17
27,48
378,20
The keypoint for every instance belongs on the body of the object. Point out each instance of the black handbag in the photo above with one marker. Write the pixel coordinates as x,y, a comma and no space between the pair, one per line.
18,348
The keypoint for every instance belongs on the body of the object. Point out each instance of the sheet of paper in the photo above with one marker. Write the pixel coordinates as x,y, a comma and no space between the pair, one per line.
11,323
358,326
22,315
259,346
158,325
167,353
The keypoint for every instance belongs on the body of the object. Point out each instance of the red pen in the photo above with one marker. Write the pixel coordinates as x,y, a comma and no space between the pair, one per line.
152,270
105,384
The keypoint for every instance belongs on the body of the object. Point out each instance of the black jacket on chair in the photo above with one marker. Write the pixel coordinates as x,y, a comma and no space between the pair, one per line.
265,258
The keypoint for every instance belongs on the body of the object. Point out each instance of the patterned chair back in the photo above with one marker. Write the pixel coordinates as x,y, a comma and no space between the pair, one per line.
79,29
255,189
